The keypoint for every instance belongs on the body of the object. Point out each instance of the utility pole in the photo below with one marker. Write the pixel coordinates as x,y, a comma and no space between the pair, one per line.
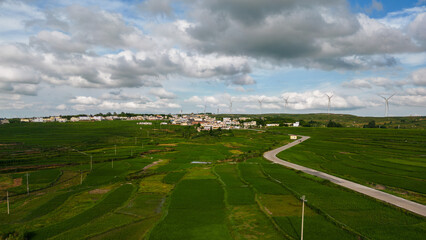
303,213
91,162
28,188
7,198
81,176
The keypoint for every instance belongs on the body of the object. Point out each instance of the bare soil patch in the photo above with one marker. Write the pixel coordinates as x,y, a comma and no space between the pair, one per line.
379,187
16,183
8,144
98,191
157,151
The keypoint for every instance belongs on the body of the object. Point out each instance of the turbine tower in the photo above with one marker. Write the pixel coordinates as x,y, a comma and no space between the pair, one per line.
329,101
286,104
387,104
230,105
260,100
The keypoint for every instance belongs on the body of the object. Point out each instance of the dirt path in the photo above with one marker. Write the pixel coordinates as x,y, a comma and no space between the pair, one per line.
152,164
411,206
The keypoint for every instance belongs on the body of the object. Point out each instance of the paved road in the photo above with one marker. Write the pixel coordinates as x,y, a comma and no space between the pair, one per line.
385,197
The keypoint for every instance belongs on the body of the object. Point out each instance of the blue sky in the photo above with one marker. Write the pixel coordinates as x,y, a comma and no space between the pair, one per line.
163,56
388,6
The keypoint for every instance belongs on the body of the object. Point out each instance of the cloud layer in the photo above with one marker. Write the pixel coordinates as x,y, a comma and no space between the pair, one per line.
128,55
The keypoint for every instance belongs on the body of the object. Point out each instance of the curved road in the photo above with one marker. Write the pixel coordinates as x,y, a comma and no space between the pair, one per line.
382,196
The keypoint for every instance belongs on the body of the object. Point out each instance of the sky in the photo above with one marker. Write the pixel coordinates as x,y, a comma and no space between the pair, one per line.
66,57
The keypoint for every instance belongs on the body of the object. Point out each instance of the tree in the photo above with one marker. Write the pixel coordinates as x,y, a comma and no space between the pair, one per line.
333,124
371,124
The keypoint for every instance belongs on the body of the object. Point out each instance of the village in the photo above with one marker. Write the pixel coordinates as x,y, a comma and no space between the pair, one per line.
204,122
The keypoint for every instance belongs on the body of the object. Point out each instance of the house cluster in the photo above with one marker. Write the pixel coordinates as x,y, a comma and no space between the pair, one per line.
47,119
93,118
207,122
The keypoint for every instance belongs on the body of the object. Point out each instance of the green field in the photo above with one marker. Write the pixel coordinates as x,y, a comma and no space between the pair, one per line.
142,183
390,160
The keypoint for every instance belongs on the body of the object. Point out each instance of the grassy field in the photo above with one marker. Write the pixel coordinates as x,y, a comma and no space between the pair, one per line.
238,193
196,210
356,213
143,182
284,208
111,202
385,159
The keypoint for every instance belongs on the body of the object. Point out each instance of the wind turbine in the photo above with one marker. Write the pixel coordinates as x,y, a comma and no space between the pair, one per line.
286,102
230,105
260,100
329,101
387,103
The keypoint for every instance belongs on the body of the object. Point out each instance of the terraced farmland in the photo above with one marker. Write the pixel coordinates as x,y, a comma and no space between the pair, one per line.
144,184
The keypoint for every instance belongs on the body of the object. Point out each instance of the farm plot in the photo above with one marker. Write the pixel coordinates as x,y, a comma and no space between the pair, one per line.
36,179
285,209
246,220
135,230
112,201
196,210
142,210
238,193
387,159
173,177
355,212
249,222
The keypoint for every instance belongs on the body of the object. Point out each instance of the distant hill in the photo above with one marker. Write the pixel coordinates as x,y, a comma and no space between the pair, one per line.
347,120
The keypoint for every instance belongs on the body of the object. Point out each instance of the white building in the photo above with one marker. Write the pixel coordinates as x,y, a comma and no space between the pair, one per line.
61,120
244,118
144,123
84,118
75,119
296,124
97,118
249,124
38,120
